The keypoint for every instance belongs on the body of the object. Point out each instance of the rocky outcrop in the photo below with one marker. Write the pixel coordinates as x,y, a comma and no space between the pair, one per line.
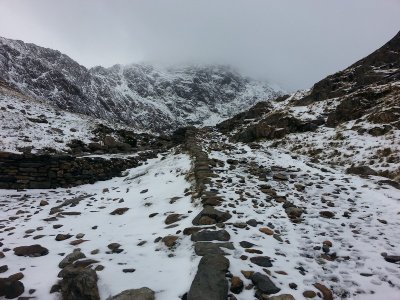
381,67
275,125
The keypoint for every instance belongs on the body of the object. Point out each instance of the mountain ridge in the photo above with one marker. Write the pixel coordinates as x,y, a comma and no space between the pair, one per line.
141,96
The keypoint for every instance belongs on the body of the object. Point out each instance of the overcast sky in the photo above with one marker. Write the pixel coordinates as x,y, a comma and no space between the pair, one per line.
291,42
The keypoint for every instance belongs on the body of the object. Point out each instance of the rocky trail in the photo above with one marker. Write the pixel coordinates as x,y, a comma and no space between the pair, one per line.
209,220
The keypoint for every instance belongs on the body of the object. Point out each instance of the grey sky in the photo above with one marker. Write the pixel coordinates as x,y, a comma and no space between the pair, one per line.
293,43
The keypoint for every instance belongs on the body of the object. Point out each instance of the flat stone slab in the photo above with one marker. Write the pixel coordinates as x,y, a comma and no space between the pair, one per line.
211,235
204,248
210,281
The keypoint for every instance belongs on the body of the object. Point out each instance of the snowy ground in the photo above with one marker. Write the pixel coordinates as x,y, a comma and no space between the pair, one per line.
167,271
365,224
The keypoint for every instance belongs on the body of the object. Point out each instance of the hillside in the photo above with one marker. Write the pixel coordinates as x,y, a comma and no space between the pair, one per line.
297,197
142,96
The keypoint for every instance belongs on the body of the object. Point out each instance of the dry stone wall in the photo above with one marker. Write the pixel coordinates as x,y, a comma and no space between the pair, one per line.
20,171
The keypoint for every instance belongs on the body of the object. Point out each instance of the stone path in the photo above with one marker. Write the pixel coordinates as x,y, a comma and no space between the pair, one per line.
290,229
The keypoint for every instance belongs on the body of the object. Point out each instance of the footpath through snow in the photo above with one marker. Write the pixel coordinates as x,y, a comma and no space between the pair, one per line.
271,225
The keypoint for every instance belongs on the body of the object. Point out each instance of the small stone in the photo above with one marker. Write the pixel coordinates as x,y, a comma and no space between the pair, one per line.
113,246
170,240
327,214
309,294
266,230
236,285
70,258
326,293
62,237
172,218
263,261
252,223
119,211
245,244
128,270
247,274
43,203
3,268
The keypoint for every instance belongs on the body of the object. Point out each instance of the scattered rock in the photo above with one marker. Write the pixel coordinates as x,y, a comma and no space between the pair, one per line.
209,215
264,284
236,285
210,235
62,237
266,230
172,218
170,240
79,284
309,294
11,287
143,293
327,214
204,248
210,281
31,251
263,261
119,211
282,297
70,258
326,293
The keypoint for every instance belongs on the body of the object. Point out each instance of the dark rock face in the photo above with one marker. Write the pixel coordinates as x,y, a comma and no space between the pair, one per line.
210,282
32,251
276,125
264,284
138,95
79,284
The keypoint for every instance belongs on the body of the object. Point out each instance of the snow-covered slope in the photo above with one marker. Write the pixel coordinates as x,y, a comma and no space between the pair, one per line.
143,96
351,118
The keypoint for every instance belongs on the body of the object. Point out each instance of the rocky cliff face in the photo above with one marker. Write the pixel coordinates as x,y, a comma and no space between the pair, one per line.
141,96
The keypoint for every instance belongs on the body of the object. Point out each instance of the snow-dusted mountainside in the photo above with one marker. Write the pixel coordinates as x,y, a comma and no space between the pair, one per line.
351,118
30,125
142,96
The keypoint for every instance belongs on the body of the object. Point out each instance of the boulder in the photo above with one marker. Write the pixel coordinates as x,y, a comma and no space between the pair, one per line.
31,251
11,287
79,284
